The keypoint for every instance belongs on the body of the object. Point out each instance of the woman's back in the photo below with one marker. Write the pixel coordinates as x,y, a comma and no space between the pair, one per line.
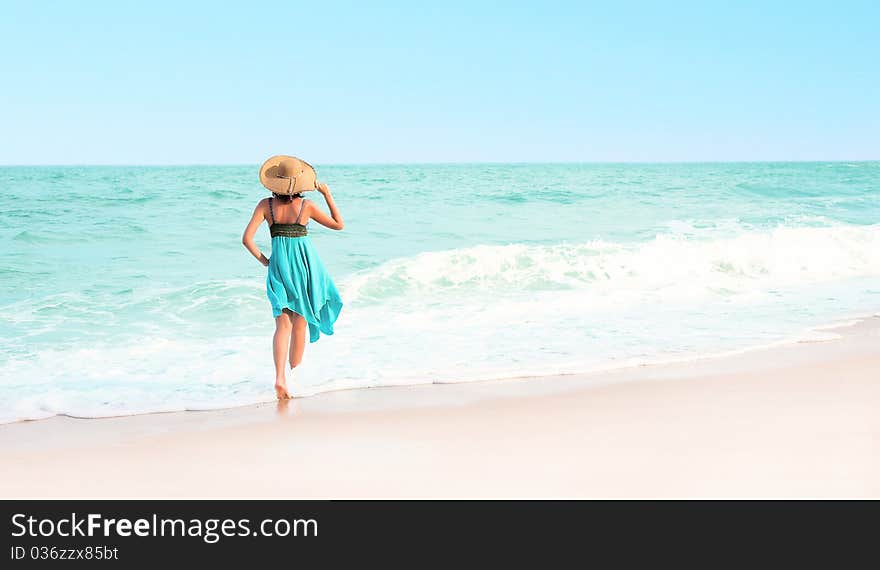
291,212
279,227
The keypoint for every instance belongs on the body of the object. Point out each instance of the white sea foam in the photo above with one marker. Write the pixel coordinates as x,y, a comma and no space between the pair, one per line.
674,265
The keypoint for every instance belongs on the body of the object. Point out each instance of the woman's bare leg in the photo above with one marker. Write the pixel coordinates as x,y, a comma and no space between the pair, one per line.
283,327
298,340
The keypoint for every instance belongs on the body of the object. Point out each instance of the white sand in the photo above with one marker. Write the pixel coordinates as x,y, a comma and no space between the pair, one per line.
794,421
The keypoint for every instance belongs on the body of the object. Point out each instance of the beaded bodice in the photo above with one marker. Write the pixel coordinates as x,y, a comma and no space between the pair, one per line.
288,230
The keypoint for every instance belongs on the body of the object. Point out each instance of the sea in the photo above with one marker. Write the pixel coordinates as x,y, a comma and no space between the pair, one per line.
126,289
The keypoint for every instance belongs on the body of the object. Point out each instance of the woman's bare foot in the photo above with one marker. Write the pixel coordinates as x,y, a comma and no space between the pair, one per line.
281,391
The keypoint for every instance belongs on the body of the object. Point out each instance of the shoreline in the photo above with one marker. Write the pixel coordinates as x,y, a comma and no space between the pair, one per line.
790,421
828,328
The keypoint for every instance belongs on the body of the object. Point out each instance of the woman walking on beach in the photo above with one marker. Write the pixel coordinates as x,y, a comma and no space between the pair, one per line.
300,290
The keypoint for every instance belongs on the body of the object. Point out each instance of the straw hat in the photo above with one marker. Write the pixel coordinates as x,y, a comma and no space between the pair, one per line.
284,174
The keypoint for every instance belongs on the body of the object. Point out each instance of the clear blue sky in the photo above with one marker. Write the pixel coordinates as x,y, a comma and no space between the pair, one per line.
212,82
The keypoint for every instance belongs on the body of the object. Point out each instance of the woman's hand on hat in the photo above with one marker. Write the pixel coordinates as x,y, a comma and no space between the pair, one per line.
323,189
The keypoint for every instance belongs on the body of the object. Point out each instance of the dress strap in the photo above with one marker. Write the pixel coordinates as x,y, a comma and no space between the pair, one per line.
271,213
301,208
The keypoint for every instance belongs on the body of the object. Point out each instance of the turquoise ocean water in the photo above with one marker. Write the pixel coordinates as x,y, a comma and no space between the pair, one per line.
127,290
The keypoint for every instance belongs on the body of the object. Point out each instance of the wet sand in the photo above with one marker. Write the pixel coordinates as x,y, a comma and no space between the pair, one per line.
799,420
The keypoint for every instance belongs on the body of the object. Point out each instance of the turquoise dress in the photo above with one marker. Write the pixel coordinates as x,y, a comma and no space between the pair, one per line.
297,280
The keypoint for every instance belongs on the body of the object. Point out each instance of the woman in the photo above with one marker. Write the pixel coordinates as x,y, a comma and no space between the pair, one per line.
300,290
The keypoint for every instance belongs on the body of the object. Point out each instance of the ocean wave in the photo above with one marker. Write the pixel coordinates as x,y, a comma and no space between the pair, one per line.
751,260
476,313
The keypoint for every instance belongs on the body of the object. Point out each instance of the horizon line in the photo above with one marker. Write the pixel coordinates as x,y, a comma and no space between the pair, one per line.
447,163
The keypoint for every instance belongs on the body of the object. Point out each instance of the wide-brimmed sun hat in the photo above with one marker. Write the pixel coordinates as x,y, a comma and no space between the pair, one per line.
284,174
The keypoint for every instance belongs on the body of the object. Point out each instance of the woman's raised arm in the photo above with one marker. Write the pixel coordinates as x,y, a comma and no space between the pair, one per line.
334,220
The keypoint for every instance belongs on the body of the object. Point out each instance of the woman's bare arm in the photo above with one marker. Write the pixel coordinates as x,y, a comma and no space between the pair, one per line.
334,220
248,237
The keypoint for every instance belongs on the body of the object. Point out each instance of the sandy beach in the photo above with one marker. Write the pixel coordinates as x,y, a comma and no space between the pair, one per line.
797,420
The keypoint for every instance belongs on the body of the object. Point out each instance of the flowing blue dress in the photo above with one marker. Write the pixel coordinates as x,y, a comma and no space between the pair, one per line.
297,279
